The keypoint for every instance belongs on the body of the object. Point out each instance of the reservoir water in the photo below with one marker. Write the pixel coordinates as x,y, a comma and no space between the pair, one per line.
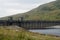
48,31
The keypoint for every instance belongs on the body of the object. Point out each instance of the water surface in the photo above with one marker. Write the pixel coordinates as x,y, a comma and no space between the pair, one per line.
47,31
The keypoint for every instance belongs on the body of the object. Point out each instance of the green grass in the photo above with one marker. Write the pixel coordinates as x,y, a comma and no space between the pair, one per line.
21,34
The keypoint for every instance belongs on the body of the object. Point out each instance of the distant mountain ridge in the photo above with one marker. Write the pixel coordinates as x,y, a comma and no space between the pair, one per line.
49,11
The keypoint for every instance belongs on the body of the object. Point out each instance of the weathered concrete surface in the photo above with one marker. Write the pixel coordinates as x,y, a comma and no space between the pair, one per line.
57,27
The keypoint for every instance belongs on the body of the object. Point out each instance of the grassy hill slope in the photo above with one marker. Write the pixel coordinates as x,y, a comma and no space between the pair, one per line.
7,33
49,11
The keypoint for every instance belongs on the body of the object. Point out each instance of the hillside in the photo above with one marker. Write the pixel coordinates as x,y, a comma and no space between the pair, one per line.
49,11
7,33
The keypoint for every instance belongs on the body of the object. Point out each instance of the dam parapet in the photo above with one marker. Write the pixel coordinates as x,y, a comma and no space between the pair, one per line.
30,24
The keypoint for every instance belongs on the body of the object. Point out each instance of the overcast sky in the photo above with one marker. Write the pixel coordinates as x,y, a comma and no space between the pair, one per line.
11,7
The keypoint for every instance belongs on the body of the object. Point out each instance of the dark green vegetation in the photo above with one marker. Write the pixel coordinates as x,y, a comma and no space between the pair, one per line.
49,11
9,33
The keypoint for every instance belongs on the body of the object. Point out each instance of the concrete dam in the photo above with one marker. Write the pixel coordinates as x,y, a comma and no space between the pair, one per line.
39,24
31,24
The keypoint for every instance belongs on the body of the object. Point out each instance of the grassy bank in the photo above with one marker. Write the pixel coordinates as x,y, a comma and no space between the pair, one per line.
21,34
